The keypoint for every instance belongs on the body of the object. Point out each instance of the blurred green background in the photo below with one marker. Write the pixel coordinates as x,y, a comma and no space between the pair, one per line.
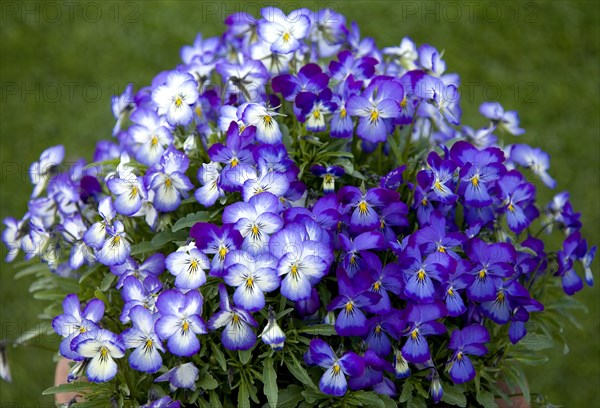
60,62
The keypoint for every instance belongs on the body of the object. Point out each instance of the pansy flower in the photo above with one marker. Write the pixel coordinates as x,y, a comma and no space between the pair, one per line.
142,338
216,241
506,120
175,97
354,297
101,347
74,322
363,205
182,376
149,135
283,32
272,333
189,266
517,200
252,277
334,382
180,321
421,319
439,178
168,180
535,159
491,263
238,333
376,107
464,342
256,220
303,260
41,171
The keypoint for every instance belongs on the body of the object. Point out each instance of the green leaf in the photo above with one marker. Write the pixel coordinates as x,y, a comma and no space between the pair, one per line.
270,382
71,387
299,372
90,271
214,399
319,330
107,281
312,396
486,399
290,397
454,395
219,356
530,360
368,399
49,295
31,269
208,382
517,380
243,396
536,342
189,220
416,402
407,389
245,356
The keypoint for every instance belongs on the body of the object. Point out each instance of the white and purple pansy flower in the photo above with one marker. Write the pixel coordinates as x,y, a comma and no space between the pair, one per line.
303,260
74,322
252,277
150,136
189,265
175,97
101,347
216,241
141,337
168,180
182,376
256,220
180,321
238,333
284,33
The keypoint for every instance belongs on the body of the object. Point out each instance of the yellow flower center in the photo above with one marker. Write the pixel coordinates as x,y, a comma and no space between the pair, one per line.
374,115
482,274
442,249
378,329
149,343
267,119
317,114
255,230
234,162
500,297
336,369
168,183
103,352
451,292
404,102
294,270
154,141
459,356
349,307
414,334
250,282
363,207
475,180
178,101
421,275
377,286
343,113
511,208
185,326
287,37
222,252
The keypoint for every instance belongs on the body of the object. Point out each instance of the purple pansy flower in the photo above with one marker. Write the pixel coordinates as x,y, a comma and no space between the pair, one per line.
216,241
354,296
421,318
283,32
189,266
168,180
491,263
181,376
180,321
439,178
175,97
469,340
74,322
144,340
535,159
376,107
334,380
238,333
508,120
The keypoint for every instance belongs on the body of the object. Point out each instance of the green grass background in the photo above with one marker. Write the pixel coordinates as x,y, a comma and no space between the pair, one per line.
58,72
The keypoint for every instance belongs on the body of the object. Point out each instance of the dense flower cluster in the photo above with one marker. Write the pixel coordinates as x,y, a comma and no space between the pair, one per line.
287,175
